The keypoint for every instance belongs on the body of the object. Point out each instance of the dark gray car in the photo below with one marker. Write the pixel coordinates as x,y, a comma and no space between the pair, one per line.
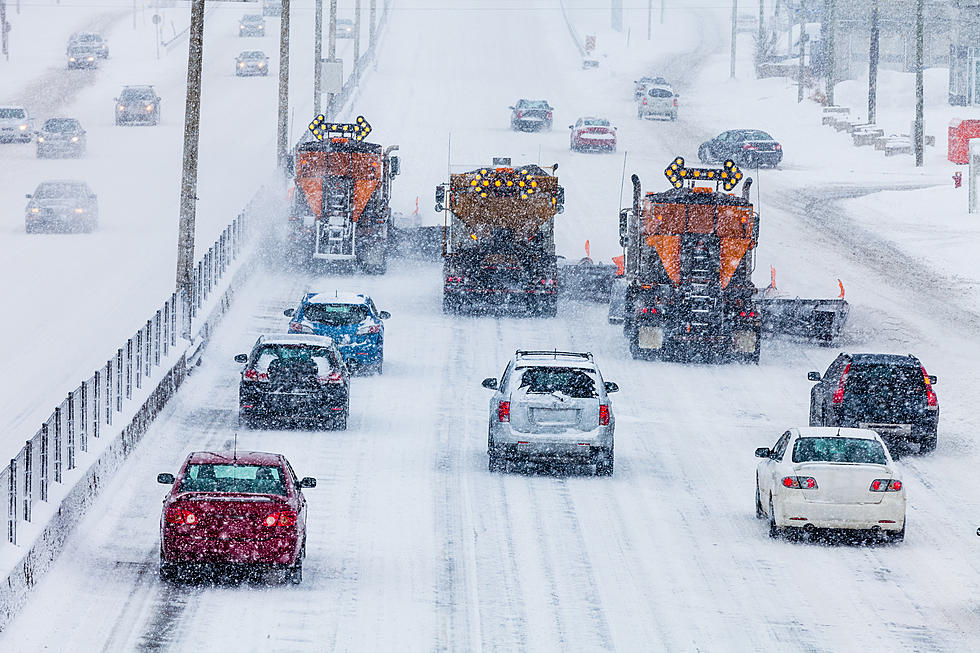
138,105
60,137
62,206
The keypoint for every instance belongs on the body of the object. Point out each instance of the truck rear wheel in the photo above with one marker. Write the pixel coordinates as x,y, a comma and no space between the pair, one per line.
547,306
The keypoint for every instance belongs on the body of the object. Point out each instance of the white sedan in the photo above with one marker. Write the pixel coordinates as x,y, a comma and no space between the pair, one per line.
829,477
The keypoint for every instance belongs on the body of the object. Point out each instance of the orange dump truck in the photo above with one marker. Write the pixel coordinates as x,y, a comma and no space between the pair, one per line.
689,260
340,209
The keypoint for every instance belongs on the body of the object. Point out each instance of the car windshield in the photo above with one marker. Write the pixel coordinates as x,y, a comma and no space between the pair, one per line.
254,54
335,314
839,450
251,479
137,94
295,356
14,114
54,190
533,104
754,135
595,122
89,38
60,125
573,382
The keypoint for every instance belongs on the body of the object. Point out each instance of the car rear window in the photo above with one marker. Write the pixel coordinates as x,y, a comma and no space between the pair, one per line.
137,94
755,135
573,382
335,314
598,122
885,381
295,356
253,479
838,450
11,114
534,104
660,92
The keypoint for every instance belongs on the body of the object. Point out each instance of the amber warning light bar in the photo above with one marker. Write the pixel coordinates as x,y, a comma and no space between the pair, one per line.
358,130
728,175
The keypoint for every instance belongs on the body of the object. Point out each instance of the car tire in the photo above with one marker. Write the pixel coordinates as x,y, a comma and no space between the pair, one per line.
294,574
815,418
340,420
899,536
704,154
759,512
495,461
747,161
604,463
775,532
169,571
377,368
928,442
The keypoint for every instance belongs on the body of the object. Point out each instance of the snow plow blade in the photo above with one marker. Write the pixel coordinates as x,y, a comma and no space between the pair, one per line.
586,280
821,320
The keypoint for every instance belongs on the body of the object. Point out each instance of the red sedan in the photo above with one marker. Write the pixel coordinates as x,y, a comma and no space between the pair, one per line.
244,508
593,134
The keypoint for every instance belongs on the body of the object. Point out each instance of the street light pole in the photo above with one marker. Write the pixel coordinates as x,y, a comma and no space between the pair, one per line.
873,64
282,152
803,39
357,41
332,43
317,56
188,184
831,58
919,100
734,33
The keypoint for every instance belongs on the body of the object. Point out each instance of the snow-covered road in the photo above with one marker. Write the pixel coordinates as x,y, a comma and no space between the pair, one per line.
414,545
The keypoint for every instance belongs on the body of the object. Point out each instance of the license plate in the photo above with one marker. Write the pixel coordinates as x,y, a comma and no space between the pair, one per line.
553,415
891,429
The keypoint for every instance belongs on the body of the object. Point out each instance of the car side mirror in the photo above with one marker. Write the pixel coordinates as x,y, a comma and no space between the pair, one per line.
490,383
571,126
384,315
165,479
28,196
511,108
307,481
932,379
611,387
241,358
677,94
289,312
813,376
440,195
763,452
396,166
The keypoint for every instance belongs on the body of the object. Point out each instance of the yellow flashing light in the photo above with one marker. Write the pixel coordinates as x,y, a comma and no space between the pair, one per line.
729,175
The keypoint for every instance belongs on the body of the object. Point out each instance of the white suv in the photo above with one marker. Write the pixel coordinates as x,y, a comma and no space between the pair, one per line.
657,100
16,124
549,406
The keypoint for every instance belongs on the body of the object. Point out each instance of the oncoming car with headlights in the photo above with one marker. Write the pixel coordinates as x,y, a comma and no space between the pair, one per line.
62,205
60,137
551,406
829,478
351,319
252,62
139,105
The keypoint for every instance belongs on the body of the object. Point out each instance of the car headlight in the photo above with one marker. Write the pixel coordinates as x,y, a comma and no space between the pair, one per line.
91,58
261,64
261,26
40,139
35,210
122,107
74,139
241,64
72,59
79,210
149,107
23,127
241,27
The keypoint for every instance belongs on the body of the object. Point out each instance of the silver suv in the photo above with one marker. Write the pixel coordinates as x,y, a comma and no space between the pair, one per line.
657,100
551,406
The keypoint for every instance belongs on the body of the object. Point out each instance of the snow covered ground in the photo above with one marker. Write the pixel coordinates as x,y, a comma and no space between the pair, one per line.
413,545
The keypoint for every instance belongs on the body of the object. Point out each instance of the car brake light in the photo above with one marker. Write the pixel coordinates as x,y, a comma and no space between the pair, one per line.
548,282
800,482
285,518
520,114
603,415
777,146
931,400
885,485
503,411
749,146
644,100
675,102
548,114
648,309
839,392
333,377
452,279
255,375
177,515
299,327
368,329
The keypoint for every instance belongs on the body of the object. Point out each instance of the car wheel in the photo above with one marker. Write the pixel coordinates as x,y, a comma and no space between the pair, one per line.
814,417
748,161
704,154
604,463
378,367
495,461
169,571
899,536
928,442
775,532
340,420
759,513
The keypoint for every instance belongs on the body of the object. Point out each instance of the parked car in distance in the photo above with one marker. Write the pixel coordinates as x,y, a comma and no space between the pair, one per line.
63,206
345,28
251,25
91,42
748,148
138,105
351,319
592,134
551,406
234,508
60,137
531,115
889,393
291,378
271,7
251,62
16,124
829,478
657,100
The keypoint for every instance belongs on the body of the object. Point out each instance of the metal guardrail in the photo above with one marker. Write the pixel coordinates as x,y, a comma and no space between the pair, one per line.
62,442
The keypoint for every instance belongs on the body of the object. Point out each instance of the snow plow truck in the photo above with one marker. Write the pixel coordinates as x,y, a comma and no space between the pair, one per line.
499,238
687,292
340,199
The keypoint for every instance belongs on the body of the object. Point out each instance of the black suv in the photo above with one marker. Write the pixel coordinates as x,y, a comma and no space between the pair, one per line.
294,378
888,393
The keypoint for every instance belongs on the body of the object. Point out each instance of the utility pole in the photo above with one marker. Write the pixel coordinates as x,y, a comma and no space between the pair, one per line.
661,12
734,33
3,29
332,43
616,17
803,39
317,56
357,41
282,152
188,183
873,63
650,19
830,15
373,24
919,100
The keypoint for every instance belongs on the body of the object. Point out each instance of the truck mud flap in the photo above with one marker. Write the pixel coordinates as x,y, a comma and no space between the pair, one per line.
648,337
617,301
821,320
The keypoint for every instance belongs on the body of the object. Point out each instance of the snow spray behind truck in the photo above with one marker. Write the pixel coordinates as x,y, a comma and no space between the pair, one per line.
340,205
499,238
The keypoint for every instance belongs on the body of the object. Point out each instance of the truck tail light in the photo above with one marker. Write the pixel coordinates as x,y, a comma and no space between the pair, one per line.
886,485
648,310
747,314
603,415
932,402
503,411
800,482
839,392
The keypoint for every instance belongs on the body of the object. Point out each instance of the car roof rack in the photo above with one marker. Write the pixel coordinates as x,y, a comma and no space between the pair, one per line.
553,352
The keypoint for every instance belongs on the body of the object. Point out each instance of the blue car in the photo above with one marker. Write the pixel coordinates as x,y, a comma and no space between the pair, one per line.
352,320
